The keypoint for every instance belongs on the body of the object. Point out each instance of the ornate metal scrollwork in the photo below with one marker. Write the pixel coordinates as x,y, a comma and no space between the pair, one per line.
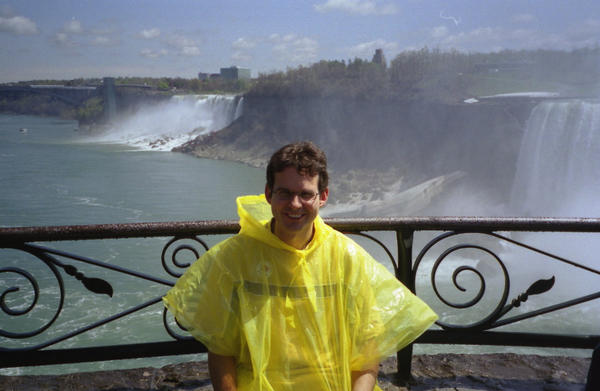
178,250
36,291
170,330
502,308
182,265
94,285
382,245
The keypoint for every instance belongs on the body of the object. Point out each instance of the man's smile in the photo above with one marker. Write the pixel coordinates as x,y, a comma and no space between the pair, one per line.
295,215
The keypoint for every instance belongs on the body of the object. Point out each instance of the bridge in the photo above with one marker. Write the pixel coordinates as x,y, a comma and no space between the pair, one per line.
519,296
74,96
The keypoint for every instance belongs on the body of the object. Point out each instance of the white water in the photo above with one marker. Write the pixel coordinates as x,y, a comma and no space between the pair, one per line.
165,125
558,169
557,174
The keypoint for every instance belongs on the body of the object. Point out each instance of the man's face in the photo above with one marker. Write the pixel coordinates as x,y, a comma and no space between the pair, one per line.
292,208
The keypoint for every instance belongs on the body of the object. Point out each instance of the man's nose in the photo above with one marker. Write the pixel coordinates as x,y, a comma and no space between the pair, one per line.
296,201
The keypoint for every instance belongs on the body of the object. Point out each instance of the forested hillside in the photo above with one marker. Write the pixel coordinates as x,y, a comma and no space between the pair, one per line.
440,75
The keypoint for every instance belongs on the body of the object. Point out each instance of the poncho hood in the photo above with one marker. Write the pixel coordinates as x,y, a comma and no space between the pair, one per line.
255,221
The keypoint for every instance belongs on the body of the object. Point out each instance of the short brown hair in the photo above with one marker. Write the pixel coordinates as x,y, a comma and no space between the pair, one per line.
305,157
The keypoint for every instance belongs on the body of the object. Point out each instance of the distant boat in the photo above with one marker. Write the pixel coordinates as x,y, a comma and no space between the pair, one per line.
23,130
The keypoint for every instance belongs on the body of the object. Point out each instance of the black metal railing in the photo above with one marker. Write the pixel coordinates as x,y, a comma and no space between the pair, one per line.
446,239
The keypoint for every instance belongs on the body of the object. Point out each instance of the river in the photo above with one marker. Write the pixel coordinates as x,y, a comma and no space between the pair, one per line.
51,175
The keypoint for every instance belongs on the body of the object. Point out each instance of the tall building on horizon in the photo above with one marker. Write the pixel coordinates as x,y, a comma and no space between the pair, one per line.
235,73
379,58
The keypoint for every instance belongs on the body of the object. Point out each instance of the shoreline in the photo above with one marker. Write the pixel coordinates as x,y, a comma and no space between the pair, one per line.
502,371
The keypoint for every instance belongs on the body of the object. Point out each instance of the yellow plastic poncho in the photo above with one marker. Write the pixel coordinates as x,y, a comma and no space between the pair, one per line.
295,319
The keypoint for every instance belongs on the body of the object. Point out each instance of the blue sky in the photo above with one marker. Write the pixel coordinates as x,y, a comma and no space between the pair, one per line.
65,39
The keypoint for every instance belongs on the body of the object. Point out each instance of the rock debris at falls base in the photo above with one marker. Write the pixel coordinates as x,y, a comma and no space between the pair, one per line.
440,372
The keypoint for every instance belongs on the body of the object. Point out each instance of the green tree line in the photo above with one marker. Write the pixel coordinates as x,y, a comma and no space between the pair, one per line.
195,86
168,84
414,74
439,75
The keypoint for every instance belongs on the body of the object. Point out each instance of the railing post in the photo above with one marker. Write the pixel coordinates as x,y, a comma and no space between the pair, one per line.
404,240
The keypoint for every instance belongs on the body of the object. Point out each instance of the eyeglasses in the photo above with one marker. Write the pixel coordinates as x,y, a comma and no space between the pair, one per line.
286,195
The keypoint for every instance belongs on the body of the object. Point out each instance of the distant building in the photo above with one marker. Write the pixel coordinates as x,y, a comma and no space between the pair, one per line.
203,76
379,58
235,73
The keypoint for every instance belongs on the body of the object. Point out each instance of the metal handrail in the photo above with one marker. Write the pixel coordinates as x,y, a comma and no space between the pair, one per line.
29,239
210,227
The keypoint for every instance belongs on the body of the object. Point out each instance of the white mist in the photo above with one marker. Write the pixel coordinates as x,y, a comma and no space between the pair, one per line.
558,169
165,125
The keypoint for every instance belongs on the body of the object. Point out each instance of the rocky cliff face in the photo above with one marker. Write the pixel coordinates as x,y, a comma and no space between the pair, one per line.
417,140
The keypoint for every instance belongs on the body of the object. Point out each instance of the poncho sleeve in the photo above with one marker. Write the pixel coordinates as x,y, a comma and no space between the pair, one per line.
204,302
386,315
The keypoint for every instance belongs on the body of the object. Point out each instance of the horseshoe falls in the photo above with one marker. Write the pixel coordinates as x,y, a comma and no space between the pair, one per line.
558,169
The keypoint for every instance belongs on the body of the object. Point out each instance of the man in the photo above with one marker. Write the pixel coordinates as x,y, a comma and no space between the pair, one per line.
289,303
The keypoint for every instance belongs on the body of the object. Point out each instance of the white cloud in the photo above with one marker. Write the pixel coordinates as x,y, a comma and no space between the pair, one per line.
183,45
190,51
367,49
66,36
61,38
489,39
522,18
483,38
102,41
293,49
64,39
241,57
241,46
277,39
439,32
73,27
148,53
150,33
288,38
360,7
243,43
73,34
586,33
180,41
18,25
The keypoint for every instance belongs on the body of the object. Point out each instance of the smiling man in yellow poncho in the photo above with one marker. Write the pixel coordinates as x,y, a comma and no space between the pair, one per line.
290,303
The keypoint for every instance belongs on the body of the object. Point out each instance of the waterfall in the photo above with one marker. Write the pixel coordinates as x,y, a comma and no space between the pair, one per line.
239,108
165,125
558,168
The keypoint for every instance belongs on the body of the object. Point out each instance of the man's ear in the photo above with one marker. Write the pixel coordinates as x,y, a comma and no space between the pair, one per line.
323,195
268,194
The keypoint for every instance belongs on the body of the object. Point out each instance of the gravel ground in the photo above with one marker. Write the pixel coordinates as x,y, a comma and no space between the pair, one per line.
441,372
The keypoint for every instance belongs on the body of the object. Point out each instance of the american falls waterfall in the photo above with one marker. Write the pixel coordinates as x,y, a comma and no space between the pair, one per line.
165,125
558,168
